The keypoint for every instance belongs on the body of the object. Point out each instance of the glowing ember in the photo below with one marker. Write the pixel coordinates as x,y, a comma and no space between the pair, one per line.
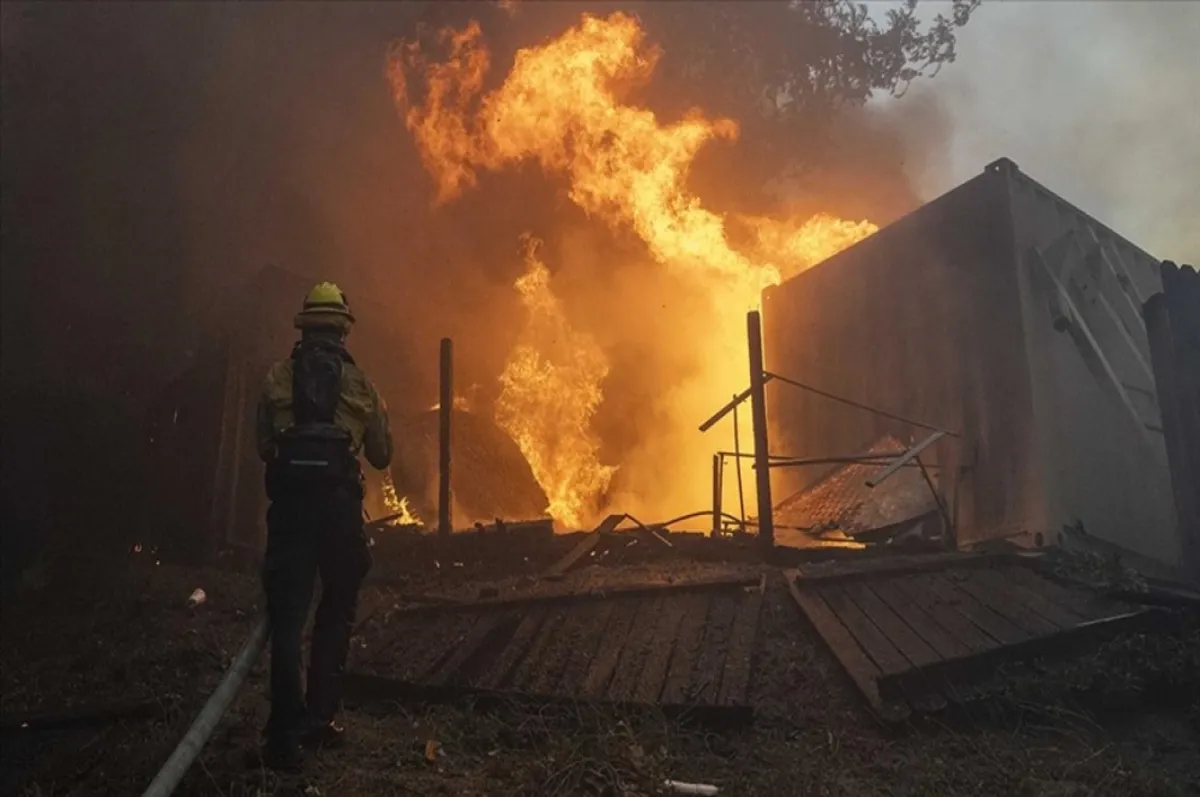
563,106
396,505
460,403
550,389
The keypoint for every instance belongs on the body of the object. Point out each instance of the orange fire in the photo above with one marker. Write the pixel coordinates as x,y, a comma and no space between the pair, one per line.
396,505
563,105
550,389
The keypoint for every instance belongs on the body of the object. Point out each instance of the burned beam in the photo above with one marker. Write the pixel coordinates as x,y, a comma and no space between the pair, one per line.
728,408
977,667
758,411
716,494
561,599
445,406
885,567
362,688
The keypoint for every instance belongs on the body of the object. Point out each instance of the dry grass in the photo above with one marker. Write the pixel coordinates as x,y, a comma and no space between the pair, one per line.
1044,732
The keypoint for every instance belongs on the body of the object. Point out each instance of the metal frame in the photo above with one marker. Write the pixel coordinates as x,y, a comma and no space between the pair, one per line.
764,461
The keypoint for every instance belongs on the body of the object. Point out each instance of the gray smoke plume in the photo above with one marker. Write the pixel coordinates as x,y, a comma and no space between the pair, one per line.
1097,101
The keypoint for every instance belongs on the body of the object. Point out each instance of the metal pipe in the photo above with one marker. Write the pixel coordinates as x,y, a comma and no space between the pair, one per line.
193,741
758,413
905,458
737,453
445,406
796,463
856,405
869,463
775,456
728,408
716,495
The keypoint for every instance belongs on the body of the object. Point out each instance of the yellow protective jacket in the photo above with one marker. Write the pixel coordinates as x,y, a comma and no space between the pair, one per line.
361,412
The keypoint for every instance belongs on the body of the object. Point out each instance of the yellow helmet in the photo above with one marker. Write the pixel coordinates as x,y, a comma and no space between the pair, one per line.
325,306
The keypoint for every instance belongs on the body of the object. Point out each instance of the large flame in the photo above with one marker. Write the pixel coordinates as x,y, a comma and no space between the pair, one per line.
563,106
550,389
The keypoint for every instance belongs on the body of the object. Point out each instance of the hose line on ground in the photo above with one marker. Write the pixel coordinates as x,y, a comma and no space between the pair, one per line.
193,741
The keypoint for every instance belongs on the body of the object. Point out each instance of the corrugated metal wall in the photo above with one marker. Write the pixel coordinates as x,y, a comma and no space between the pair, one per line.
949,317
920,320
1095,401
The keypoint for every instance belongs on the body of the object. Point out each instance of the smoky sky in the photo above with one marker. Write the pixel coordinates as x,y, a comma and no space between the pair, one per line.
1095,100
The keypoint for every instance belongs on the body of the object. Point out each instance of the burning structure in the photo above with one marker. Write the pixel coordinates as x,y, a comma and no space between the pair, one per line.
998,311
565,107
1002,312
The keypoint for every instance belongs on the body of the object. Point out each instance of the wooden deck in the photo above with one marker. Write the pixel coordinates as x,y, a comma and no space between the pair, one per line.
917,633
681,646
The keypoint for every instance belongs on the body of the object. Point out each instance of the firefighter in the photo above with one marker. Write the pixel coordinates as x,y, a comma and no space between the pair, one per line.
317,413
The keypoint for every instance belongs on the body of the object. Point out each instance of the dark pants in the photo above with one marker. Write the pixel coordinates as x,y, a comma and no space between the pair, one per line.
308,534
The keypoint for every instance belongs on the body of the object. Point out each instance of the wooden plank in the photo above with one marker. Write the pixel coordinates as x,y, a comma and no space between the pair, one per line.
938,638
706,675
981,666
392,638
531,666
898,632
487,630
654,672
501,671
883,567
361,689
457,634
624,591
1087,604
995,626
1036,601
594,633
735,677
854,660
873,641
687,649
553,659
637,649
595,683
573,557
918,591
1004,603
421,654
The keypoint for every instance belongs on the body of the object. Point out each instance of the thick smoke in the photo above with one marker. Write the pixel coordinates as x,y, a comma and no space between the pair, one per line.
1095,100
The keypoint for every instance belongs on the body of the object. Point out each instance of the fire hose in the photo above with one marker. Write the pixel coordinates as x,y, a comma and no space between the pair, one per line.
202,727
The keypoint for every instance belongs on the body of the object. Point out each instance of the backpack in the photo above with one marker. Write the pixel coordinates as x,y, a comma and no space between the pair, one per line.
314,454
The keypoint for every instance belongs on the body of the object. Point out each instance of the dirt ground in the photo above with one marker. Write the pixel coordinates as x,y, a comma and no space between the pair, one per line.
1123,720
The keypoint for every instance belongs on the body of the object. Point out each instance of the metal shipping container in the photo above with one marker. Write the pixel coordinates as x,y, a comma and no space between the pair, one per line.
1001,312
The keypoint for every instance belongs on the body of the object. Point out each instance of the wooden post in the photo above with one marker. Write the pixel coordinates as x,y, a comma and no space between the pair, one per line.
716,495
1170,322
758,411
445,406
